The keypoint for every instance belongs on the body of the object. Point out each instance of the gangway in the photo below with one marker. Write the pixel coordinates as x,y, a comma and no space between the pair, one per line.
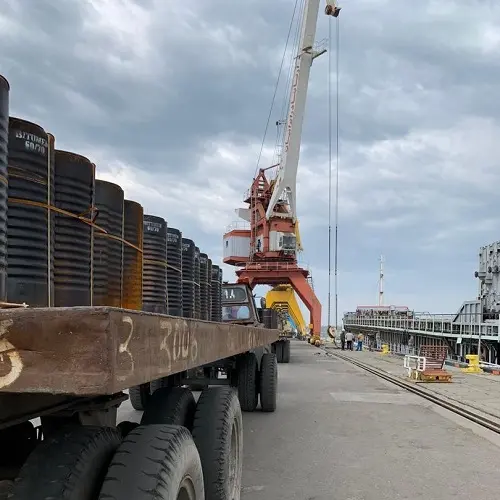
428,365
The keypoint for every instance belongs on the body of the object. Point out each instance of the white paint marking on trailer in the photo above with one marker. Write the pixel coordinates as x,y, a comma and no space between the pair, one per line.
123,347
8,350
185,345
165,325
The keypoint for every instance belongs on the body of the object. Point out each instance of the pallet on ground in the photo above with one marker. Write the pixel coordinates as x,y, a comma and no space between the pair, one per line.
434,376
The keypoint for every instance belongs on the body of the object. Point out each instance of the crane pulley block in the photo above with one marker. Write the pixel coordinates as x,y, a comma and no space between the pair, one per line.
332,9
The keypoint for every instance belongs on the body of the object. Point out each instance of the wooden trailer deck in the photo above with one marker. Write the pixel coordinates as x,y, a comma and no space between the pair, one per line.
90,351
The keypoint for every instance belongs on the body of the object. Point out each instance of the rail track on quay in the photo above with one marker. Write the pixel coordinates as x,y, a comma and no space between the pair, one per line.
469,412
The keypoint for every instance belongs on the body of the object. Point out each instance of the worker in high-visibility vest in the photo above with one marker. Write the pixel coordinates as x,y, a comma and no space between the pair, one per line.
359,347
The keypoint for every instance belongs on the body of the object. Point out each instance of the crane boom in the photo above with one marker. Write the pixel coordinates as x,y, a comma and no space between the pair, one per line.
286,180
266,252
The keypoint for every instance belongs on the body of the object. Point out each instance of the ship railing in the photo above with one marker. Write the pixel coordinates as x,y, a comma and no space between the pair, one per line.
434,324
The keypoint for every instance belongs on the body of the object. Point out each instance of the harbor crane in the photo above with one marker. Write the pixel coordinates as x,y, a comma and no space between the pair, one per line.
266,253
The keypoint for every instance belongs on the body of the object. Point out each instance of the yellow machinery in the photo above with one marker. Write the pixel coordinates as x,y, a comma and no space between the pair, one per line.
282,299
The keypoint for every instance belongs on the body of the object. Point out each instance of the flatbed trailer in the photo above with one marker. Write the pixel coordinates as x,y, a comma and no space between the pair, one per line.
71,366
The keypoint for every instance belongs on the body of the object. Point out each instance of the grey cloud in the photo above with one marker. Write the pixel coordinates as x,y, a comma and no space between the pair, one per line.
208,75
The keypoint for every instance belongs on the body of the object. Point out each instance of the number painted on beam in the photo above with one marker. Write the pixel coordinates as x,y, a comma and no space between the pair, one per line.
124,347
184,343
8,350
166,327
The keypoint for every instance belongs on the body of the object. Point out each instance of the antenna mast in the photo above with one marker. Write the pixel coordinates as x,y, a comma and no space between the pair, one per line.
381,282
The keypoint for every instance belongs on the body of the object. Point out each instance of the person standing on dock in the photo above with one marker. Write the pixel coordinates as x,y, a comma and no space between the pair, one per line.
359,347
349,338
342,339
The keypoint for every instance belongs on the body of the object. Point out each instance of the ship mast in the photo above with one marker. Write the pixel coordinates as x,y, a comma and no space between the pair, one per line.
381,282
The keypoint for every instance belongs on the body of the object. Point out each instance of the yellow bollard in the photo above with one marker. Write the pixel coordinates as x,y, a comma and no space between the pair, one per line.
473,364
385,349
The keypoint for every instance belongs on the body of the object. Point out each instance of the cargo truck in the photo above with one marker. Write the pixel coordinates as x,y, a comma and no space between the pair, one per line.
64,373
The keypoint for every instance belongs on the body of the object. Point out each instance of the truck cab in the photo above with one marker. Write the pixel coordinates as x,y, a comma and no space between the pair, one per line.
238,305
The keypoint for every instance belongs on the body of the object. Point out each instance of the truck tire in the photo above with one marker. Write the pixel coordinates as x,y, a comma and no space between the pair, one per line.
154,385
17,442
286,351
6,489
268,382
197,387
218,434
279,352
70,463
155,462
126,427
139,396
170,406
247,369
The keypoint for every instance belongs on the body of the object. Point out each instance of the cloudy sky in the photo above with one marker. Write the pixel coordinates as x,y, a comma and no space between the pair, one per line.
170,99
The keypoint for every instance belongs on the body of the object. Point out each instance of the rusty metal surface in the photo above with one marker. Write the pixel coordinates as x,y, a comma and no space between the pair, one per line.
100,350
132,258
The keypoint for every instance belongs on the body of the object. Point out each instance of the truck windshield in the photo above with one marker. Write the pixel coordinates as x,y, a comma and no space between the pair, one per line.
235,312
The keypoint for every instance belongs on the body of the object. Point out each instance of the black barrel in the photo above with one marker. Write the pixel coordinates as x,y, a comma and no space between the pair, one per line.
197,291
188,285
216,312
52,221
174,273
29,228
209,289
154,285
74,193
108,247
219,281
132,255
204,289
4,142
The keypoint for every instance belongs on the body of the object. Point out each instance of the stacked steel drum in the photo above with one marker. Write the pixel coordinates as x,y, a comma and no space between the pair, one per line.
67,239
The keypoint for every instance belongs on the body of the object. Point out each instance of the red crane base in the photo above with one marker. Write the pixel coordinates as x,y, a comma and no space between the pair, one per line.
277,273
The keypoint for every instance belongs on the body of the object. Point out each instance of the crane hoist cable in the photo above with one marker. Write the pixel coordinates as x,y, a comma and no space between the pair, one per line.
330,164
337,173
291,70
276,88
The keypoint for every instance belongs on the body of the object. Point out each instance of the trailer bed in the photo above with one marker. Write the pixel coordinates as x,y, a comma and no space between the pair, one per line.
87,351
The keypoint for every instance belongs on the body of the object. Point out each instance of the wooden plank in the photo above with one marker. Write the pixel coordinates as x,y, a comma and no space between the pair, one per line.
92,351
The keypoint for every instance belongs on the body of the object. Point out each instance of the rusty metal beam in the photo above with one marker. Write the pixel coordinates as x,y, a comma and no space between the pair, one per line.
89,351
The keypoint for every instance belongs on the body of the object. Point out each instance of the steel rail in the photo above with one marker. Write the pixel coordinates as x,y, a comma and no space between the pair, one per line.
485,422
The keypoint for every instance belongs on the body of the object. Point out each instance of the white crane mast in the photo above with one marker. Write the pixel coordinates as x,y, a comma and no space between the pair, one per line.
286,180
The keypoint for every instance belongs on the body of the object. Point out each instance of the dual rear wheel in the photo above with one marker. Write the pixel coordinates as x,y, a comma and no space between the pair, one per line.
180,451
282,349
252,382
